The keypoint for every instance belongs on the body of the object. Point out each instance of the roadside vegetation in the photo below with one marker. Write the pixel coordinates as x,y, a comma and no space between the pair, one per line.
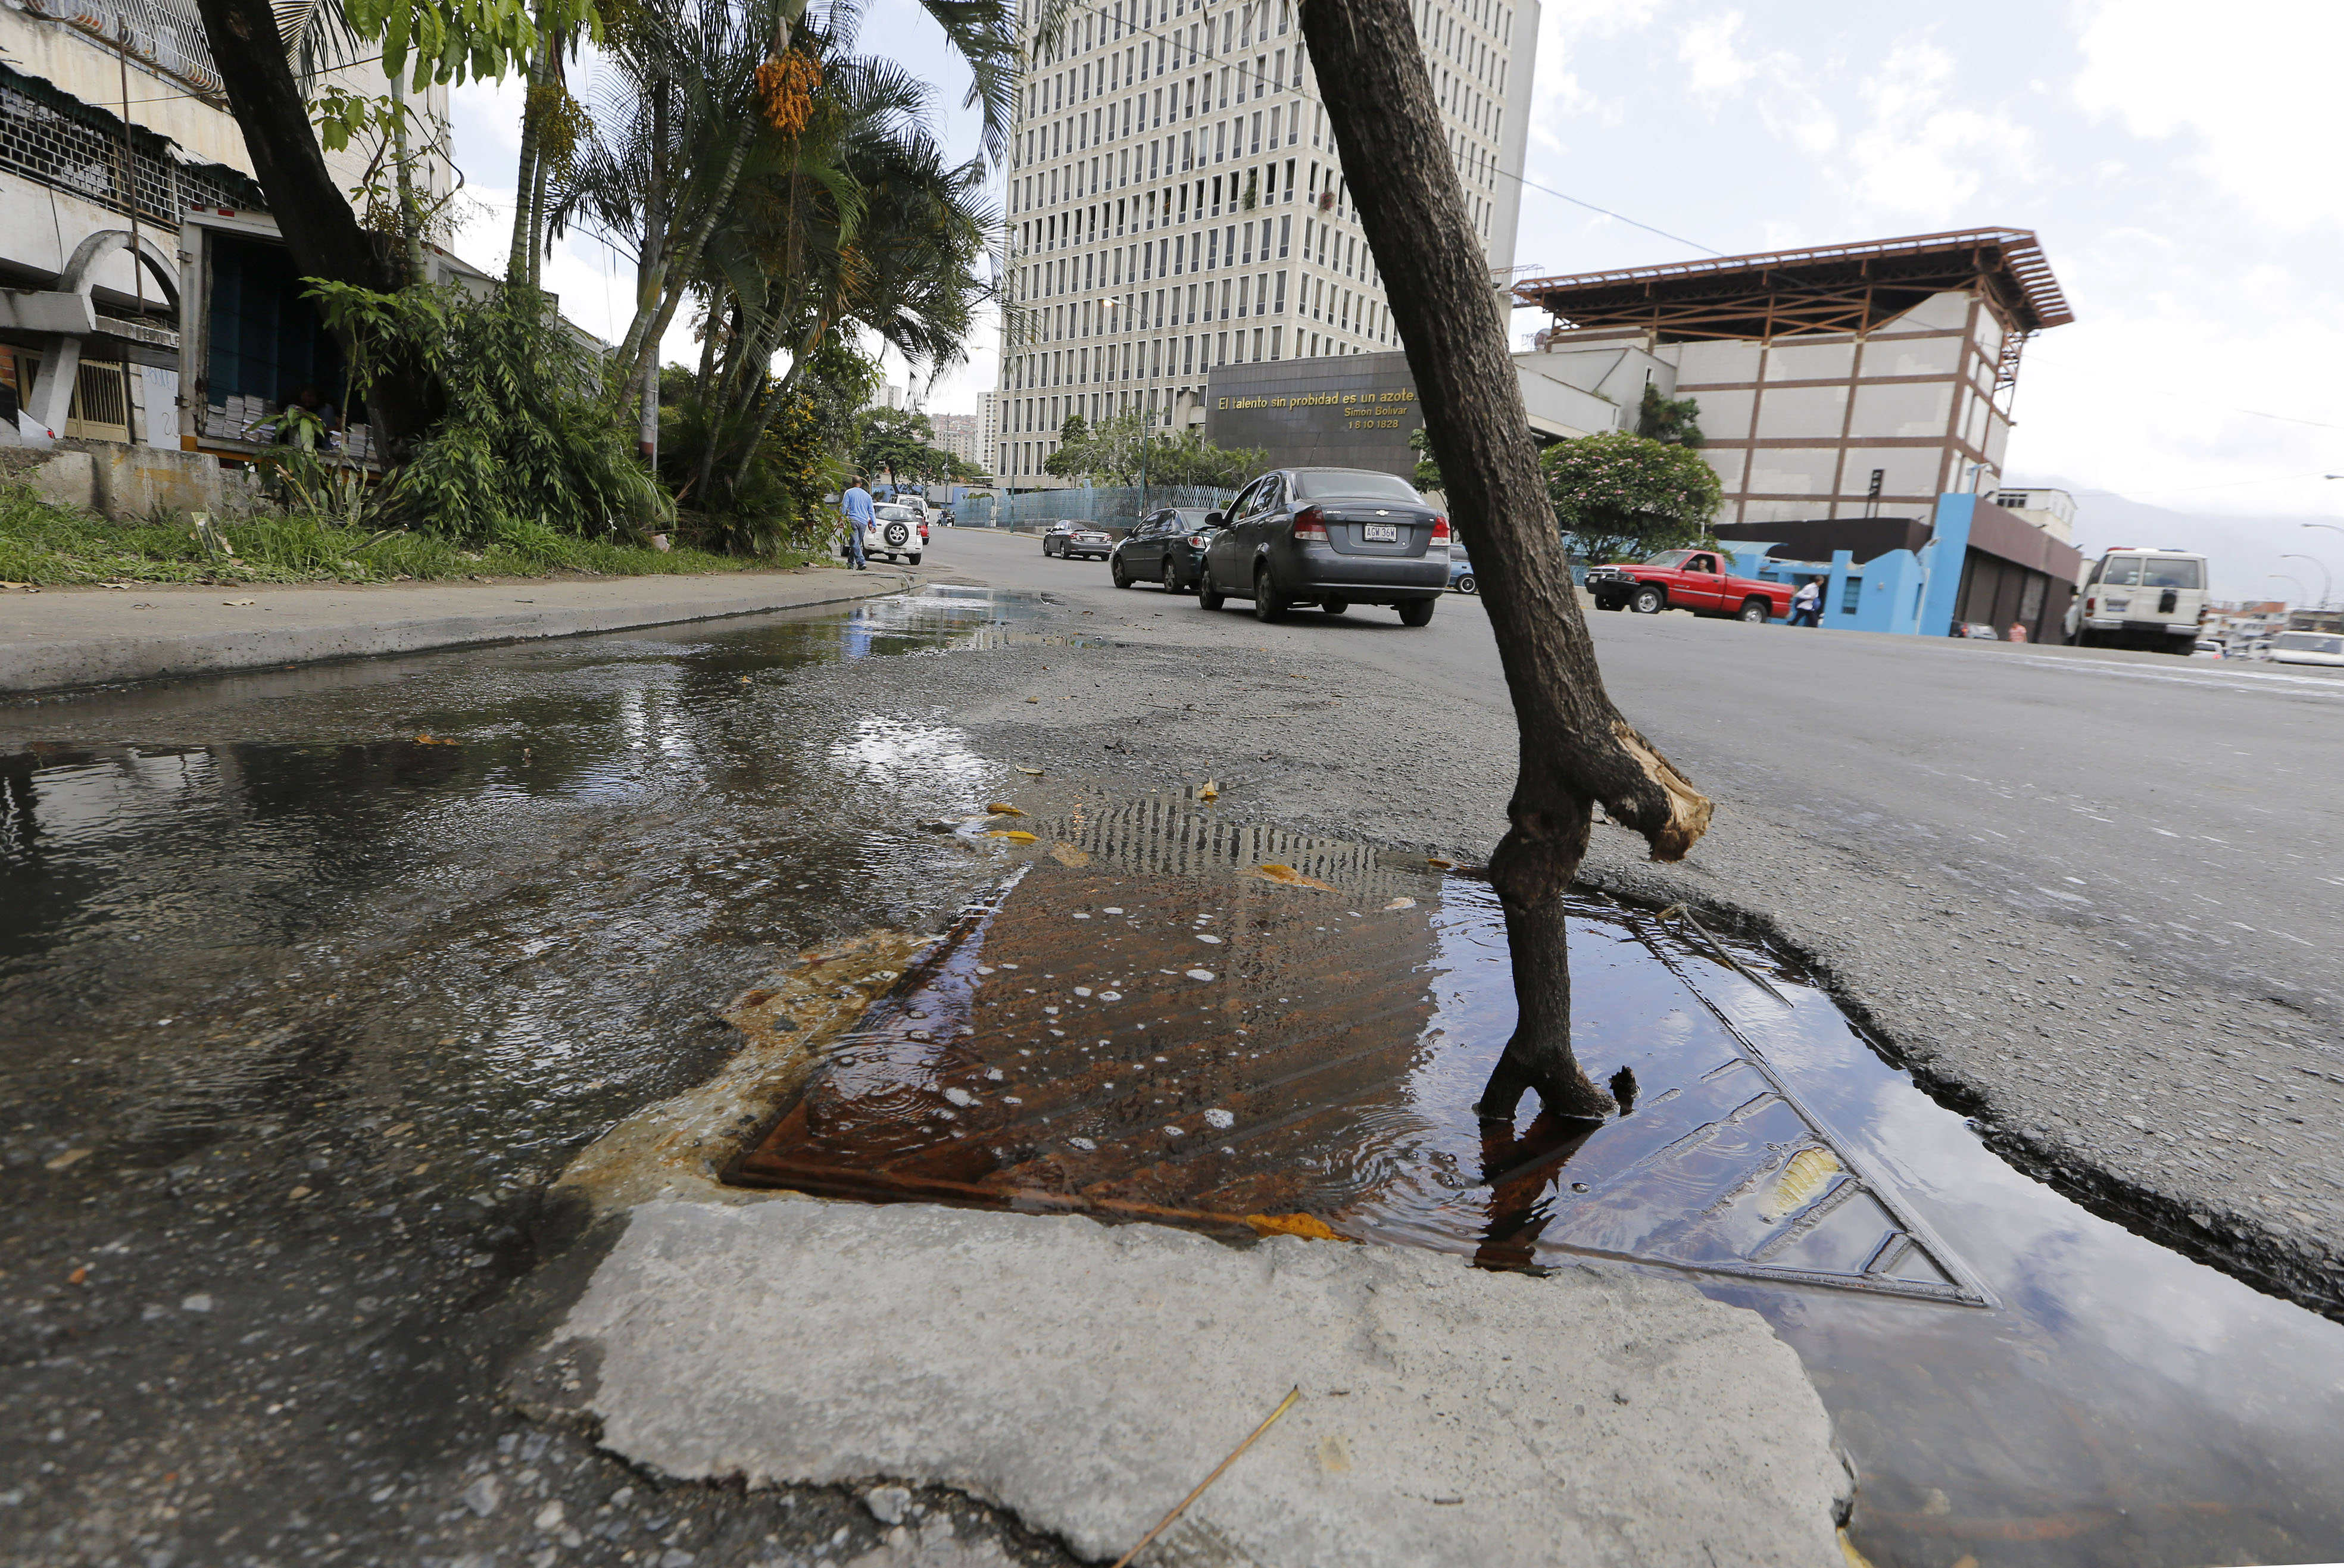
782,189
48,545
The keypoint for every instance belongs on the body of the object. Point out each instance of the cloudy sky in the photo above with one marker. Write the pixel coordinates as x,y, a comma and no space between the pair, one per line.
2179,161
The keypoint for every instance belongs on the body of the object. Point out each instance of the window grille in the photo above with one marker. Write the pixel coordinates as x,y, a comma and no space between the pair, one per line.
44,144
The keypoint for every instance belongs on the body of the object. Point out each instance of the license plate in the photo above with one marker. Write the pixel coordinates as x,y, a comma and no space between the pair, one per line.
1380,533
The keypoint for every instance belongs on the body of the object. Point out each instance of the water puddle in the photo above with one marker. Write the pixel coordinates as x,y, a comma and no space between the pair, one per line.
1148,1025
501,872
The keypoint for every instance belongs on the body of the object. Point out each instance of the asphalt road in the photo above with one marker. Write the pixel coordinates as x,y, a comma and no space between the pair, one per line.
2093,896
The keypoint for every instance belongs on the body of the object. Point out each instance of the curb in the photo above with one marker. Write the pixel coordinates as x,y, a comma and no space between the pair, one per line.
65,663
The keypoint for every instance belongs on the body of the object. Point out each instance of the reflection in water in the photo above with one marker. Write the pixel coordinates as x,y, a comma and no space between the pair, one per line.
1151,1033
260,893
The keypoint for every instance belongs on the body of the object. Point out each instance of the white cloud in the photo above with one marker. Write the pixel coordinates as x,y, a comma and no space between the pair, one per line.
2256,91
1713,64
1928,149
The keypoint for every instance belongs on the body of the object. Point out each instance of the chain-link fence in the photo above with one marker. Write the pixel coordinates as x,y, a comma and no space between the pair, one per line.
1115,506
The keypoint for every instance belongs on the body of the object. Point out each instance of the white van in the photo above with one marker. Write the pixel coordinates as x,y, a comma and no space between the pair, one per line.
2308,648
2135,598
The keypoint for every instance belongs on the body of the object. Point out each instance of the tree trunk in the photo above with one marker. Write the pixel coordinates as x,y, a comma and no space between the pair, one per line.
655,247
311,213
651,318
410,211
1575,748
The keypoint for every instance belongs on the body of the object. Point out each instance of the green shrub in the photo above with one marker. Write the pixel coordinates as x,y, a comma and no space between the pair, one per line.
41,542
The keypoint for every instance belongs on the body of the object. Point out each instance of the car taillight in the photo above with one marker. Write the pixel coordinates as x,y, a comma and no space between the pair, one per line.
1311,523
1439,530
1197,541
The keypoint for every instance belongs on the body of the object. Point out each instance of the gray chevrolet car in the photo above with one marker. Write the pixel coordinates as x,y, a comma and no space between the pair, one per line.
1330,537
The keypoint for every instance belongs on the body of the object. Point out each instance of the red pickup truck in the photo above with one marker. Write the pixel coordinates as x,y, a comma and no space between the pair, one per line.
1686,580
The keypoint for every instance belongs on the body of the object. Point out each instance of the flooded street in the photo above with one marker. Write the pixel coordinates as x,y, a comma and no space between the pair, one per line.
314,980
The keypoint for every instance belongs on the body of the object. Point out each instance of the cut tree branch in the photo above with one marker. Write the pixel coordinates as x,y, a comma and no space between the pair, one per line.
1576,750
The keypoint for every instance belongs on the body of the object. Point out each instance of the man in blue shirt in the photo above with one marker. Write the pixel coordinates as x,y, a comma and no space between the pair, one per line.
856,504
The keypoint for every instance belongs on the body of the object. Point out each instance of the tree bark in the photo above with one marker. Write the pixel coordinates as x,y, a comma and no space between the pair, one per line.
1575,748
311,213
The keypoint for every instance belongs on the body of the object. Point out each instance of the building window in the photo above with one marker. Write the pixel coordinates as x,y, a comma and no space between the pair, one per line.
1851,593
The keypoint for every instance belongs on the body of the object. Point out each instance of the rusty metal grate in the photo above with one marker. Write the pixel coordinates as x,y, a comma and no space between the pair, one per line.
1141,1026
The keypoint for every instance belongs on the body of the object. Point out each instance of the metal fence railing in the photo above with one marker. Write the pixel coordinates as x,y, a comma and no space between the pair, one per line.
1113,506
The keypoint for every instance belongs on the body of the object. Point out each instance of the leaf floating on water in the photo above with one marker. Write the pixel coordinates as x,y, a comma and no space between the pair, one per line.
1003,808
1438,864
1286,877
1802,1182
1210,791
1035,772
1065,853
1308,1225
433,741
1402,902
1016,835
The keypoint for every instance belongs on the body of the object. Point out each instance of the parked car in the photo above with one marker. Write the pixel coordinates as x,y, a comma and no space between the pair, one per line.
1167,547
1329,536
2211,648
1981,631
2136,598
1460,574
1069,540
896,533
2306,648
1686,580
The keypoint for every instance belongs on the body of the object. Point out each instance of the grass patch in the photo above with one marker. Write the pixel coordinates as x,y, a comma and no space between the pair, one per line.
41,542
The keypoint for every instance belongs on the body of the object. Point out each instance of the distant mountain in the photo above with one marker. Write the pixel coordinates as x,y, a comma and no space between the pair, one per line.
2243,549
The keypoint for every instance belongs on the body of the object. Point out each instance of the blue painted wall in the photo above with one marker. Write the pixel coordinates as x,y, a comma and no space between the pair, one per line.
1904,591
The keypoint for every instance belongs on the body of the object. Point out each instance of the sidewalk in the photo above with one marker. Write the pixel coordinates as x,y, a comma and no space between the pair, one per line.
85,636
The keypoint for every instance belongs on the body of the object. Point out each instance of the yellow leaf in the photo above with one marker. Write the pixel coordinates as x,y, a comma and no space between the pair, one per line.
1003,808
1032,699
1014,835
1402,902
1286,877
1211,791
1801,1181
1439,864
1291,1225
1065,853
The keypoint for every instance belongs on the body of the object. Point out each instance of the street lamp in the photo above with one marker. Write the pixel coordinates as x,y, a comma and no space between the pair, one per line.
2326,582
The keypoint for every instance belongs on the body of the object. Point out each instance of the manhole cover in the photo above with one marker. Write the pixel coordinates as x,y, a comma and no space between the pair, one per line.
1167,1017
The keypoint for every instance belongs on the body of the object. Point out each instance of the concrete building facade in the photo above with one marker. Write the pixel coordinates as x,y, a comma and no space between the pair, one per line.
1841,380
988,430
114,144
955,433
1175,203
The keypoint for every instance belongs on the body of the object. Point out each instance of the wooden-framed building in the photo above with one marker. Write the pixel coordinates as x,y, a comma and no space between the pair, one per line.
1836,380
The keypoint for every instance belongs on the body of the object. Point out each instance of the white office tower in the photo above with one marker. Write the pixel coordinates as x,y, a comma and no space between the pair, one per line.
1175,203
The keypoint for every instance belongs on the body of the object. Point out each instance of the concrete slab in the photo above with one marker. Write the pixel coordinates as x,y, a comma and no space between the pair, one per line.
1085,1377
80,637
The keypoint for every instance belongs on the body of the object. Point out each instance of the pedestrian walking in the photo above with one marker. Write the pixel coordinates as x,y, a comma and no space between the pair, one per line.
857,506
2018,631
1806,604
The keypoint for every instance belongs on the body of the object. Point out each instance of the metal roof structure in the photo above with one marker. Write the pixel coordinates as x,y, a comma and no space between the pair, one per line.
1827,289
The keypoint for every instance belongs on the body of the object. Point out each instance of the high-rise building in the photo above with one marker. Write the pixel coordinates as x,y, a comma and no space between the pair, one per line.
988,431
955,433
1174,202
